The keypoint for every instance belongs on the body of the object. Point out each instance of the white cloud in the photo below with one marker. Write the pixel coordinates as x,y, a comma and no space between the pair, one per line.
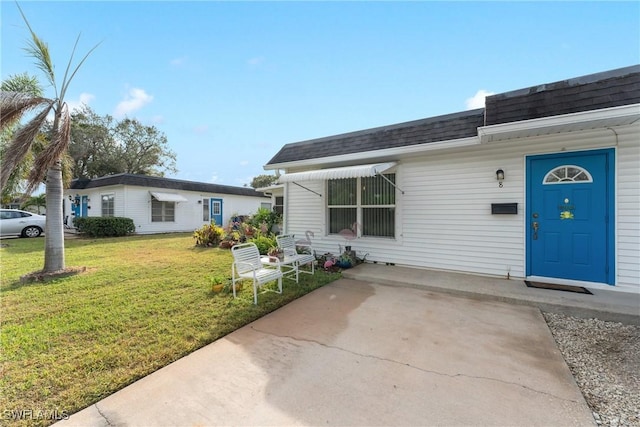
157,120
244,162
214,178
243,182
134,100
178,62
201,129
85,99
254,62
477,101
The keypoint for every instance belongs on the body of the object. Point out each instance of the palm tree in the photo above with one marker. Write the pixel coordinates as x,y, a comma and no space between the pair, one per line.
23,83
37,201
47,164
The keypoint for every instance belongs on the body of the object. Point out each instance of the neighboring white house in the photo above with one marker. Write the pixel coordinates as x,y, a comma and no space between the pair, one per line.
160,205
542,183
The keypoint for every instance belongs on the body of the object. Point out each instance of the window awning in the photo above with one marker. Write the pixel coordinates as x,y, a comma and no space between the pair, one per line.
337,173
167,197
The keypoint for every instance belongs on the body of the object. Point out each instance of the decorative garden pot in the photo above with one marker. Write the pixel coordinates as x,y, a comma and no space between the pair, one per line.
344,264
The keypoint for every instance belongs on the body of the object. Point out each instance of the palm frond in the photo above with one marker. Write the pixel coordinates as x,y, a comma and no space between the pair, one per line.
20,145
52,152
23,83
40,51
14,104
65,81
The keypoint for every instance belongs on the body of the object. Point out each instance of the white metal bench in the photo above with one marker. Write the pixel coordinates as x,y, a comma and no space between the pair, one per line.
288,246
247,266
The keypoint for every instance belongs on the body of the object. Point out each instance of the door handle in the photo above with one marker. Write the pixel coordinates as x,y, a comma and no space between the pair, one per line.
535,226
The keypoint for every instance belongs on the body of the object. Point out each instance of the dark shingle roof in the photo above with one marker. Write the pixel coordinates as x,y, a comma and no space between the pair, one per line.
424,131
602,90
159,182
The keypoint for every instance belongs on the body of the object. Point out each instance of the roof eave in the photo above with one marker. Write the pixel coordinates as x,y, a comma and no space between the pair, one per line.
387,154
270,188
606,117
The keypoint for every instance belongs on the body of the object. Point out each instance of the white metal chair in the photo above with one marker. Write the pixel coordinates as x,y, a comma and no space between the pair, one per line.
288,246
247,266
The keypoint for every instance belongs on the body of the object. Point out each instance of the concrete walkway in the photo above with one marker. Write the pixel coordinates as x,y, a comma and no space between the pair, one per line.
610,305
357,353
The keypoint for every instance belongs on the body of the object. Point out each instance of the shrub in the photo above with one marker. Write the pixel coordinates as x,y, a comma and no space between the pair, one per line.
264,243
108,226
208,235
265,218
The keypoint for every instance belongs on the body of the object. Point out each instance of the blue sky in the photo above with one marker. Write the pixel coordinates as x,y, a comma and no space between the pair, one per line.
229,83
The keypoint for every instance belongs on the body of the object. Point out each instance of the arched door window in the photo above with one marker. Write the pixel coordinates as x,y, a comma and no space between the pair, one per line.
567,174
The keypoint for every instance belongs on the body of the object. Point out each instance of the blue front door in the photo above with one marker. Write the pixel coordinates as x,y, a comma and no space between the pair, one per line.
216,211
570,216
80,206
75,206
84,209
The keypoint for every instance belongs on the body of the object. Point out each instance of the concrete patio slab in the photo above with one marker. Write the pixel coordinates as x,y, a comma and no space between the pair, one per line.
356,353
604,304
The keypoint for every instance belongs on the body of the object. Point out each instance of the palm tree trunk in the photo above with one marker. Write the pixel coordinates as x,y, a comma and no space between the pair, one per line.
54,228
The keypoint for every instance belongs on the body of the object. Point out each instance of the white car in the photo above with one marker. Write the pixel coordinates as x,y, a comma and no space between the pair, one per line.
14,222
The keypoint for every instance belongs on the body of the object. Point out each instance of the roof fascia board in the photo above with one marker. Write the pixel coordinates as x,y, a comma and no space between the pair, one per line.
488,134
390,153
270,188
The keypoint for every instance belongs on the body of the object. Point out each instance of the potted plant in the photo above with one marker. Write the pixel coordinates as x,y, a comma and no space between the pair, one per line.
249,230
344,261
275,253
217,283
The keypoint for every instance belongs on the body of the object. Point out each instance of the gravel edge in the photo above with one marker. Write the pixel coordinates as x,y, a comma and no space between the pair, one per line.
604,358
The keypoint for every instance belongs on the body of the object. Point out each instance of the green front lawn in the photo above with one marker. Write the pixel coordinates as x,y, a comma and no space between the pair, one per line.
143,302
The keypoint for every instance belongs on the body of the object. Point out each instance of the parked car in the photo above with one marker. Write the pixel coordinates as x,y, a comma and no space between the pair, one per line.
14,222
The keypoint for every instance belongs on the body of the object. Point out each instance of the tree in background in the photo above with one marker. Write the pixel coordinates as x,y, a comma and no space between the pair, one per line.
101,146
263,181
143,149
39,201
47,164
92,147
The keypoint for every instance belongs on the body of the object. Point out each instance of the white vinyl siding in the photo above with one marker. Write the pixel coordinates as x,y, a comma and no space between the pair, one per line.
447,214
304,212
628,206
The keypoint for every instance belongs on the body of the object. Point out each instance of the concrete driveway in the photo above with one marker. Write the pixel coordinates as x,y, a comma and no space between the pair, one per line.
356,353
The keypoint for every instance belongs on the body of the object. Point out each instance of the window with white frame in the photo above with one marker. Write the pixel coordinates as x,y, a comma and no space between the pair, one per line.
567,174
362,206
108,205
279,205
205,210
162,211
